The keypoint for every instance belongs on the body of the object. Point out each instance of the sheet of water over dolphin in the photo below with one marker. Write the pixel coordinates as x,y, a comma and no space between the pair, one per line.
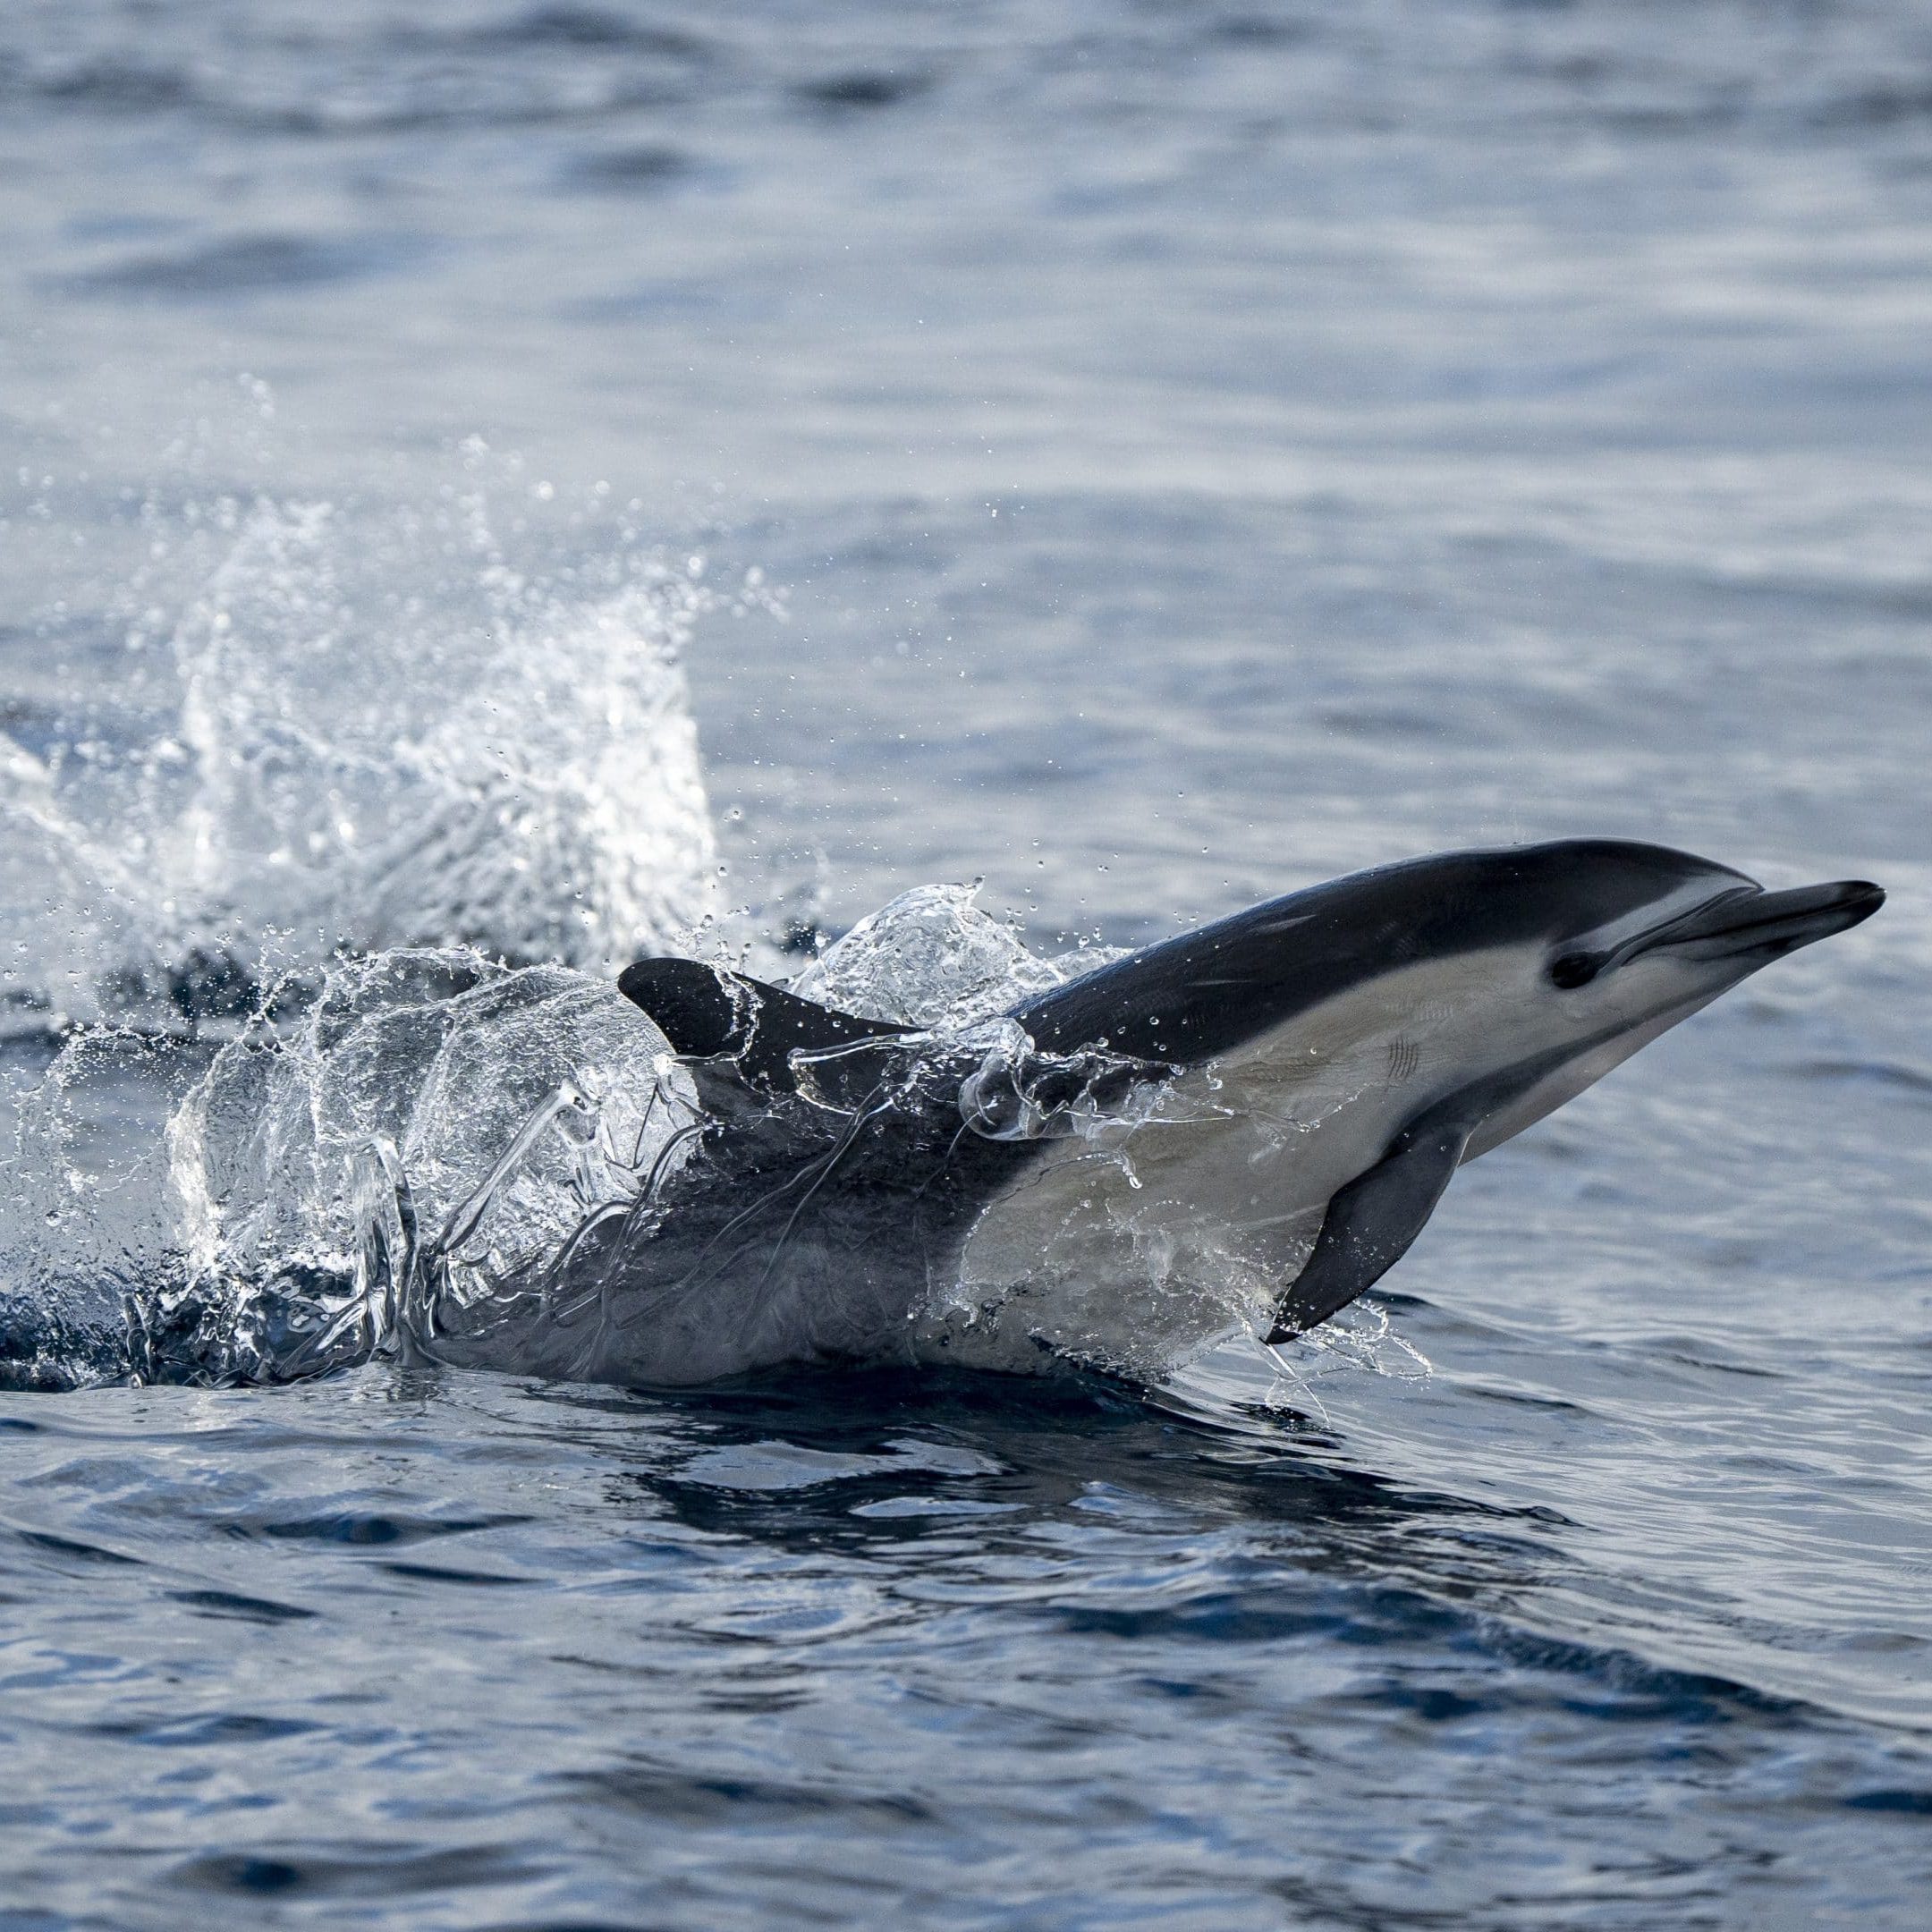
1245,1126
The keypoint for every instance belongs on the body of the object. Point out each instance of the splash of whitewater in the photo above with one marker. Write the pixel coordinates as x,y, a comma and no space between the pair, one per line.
518,771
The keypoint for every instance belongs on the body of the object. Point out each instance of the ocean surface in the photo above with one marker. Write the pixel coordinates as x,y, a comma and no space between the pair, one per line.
560,481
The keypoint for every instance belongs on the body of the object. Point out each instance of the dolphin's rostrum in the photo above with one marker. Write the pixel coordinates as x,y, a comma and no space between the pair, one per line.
1249,1122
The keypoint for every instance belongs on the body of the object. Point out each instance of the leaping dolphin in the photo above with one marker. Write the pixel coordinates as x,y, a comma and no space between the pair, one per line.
1275,1101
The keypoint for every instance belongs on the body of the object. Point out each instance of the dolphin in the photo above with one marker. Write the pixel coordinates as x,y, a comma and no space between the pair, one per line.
1245,1125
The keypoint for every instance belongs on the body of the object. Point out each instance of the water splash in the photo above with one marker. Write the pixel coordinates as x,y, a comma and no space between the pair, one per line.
68,905
933,958
495,761
88,1217
532,786
332,744
1256,1390
432,1135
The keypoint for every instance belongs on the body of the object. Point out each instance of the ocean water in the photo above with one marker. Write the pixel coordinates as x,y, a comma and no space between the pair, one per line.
489,489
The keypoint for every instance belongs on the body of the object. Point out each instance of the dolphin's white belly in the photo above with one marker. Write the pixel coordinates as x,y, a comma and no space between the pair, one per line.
1190,1221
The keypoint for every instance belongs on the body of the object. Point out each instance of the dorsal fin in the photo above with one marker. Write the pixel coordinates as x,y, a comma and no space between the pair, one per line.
708,1012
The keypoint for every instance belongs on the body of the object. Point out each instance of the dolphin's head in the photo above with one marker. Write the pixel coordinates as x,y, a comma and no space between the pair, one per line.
1590,948
1539,946
1632,930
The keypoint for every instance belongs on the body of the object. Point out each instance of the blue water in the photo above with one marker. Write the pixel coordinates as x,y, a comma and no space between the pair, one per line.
1150,457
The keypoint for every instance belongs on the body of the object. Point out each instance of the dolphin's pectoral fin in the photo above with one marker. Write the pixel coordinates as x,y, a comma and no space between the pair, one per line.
709,1011
1372,1222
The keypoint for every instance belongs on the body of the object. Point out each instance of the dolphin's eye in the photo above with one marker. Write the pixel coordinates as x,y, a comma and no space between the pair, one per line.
1569,969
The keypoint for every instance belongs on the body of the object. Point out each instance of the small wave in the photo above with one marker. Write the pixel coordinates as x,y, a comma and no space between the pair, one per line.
595,28
122,85
862,90
252,264
1854,74
636,170
1907,1079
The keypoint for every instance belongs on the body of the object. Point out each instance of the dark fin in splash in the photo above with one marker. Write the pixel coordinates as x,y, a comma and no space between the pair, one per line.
1372,1222
710,1012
